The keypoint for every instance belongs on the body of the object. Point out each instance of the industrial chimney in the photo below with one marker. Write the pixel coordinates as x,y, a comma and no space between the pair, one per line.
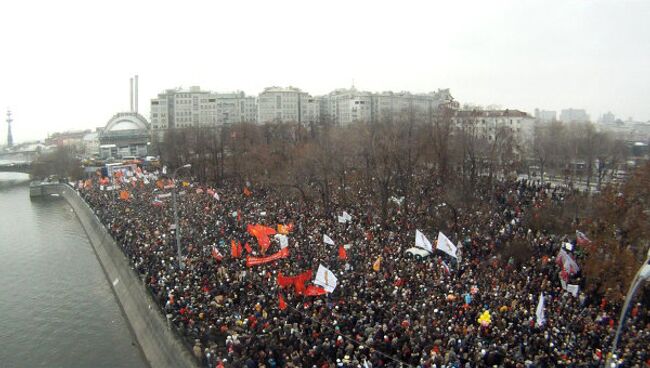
131,95
136,93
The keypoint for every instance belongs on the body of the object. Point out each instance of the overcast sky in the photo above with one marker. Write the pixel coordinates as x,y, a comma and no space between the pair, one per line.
66,65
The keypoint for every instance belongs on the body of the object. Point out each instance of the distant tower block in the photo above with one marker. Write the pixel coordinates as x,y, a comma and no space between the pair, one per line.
10,138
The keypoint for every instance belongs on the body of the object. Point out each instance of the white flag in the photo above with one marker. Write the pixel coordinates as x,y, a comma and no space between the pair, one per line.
539,313
328,240
326,279
216,196
573,289
347,216
445,245
421,241
283,239
164,170
341,219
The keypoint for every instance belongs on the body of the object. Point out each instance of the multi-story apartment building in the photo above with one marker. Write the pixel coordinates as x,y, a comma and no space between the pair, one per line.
176,108
346,106
574,116
290,104
545,116
487,123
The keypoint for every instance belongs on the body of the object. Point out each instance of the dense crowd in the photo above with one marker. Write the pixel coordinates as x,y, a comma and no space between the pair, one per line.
406,312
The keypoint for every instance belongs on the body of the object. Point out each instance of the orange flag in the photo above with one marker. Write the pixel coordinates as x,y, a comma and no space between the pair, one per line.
283,304
247,192
124,195
377,265
342,253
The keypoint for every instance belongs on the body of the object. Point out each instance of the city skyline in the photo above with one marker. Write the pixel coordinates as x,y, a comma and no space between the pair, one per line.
520,56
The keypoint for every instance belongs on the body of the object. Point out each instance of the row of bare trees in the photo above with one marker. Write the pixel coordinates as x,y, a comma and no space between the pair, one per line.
577,149
402,158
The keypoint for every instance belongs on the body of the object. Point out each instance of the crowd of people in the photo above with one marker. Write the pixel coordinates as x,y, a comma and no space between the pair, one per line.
396,311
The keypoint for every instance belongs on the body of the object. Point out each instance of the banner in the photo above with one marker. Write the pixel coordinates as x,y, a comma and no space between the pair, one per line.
256,261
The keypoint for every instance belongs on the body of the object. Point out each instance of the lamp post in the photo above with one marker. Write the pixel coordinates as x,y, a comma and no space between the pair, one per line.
643,274
177,226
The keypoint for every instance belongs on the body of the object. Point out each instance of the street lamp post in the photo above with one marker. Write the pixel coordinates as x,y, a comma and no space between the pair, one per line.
177,227
643,274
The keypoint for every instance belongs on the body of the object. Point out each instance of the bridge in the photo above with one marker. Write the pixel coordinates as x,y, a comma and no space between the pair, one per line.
17,161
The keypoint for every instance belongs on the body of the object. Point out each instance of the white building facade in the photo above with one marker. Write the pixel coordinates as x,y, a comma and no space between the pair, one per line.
347,106
176,108
574,116
545,116
287,104
487,123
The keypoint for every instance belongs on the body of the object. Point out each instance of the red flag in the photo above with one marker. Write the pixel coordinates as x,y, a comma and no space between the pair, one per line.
283,304
235,249
342,254
216,254
315,290
261,233
247,192
300,280
297,281
284,281
248,248
255,261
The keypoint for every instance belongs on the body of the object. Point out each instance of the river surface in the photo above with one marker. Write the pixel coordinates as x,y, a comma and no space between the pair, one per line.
56,307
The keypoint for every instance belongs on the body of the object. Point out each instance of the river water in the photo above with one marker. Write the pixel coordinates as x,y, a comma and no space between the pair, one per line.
56,306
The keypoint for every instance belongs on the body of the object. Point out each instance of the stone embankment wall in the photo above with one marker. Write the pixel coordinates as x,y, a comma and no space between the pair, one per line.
161,345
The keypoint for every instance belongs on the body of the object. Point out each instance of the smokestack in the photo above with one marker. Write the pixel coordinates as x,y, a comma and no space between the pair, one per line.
136,93
131,95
